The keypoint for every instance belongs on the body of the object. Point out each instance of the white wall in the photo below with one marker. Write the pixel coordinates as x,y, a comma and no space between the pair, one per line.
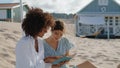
3,14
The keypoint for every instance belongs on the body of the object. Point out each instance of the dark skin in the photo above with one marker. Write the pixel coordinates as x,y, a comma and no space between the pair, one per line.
36,45
40,34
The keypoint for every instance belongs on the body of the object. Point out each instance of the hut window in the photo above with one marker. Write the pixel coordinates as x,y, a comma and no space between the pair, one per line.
106,19
106,23
111,30
80,24
111,19
102,2
116,23
116,19
91,25
111,23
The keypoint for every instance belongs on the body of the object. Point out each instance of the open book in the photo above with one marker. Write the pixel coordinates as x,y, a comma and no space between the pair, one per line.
64,58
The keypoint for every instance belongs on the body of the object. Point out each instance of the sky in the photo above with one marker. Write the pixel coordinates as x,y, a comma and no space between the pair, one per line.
57,6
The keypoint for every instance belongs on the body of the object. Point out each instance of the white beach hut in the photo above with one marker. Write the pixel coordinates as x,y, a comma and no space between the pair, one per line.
11,11
100,18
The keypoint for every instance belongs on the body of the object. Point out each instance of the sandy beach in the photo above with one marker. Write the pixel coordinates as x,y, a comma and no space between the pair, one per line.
100,52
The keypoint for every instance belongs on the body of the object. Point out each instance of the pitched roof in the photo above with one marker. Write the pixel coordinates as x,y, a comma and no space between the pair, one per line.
93,7
10,5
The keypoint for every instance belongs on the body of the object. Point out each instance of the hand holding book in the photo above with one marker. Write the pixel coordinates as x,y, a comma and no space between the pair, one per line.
63,59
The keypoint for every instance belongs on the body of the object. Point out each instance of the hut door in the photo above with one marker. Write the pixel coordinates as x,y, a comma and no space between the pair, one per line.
110,21
111,25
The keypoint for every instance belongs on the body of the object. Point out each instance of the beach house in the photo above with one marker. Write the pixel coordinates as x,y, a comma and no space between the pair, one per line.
11,11
99,18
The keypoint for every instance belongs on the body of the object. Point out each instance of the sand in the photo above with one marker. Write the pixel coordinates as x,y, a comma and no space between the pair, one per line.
100,52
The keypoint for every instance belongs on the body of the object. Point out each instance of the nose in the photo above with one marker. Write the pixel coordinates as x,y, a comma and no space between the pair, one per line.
59,36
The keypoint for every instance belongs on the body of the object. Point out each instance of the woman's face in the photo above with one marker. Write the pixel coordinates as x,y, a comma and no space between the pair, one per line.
44,30
57,34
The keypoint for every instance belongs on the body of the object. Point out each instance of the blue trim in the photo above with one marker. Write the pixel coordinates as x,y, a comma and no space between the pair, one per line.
8,13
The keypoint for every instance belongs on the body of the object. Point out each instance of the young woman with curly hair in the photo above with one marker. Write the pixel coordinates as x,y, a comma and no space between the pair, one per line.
29,49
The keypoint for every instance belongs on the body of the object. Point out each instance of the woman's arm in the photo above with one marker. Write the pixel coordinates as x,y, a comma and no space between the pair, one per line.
51,59
67,53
